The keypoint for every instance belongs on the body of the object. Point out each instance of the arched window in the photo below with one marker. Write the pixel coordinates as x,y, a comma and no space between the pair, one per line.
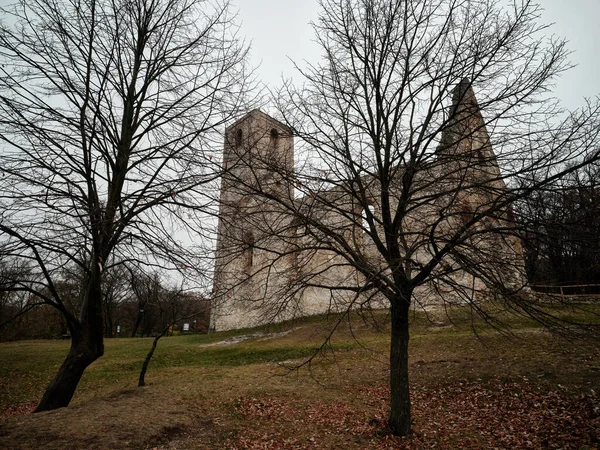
294,244
362,230
274,140
238,138
248,255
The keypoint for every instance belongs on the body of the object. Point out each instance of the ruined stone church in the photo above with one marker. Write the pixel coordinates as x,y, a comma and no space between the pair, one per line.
273,264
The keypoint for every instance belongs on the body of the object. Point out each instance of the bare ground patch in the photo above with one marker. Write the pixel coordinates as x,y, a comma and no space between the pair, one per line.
132,419
244,337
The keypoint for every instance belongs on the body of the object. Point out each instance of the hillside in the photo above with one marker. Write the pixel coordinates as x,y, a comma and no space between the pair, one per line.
526,389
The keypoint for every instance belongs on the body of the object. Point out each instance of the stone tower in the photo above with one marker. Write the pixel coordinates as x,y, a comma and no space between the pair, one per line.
251,245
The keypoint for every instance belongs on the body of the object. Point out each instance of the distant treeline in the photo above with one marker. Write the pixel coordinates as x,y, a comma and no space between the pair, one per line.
134,305
561,232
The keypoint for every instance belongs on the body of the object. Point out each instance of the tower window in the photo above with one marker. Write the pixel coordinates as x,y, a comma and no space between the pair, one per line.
238,138
477,149
248,255
294,247
274,138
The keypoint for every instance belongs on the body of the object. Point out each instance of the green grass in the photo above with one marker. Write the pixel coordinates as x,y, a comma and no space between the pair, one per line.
189,372
27,367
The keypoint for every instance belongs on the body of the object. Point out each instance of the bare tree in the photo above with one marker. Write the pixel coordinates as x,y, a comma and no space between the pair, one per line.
116,292
175,307
147,290
562,230
108,114
404,182
15,302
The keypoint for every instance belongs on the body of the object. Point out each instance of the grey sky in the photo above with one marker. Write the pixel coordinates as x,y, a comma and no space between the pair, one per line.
279,29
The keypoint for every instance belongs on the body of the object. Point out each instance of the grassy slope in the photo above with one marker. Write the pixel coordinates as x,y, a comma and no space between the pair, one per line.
201,395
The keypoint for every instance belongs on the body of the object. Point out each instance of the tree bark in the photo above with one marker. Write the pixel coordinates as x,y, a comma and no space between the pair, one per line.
87,345
61,390
399,419
141,381
136,325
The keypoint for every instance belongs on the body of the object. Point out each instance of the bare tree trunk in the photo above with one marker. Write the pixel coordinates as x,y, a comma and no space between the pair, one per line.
163,331
87,345
61,390
136,325
141,381
399,419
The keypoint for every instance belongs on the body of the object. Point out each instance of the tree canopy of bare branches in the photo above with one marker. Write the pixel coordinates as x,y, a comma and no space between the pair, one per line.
562,231
109,110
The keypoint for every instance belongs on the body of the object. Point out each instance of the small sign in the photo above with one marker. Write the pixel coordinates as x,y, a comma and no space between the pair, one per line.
186,327
118,329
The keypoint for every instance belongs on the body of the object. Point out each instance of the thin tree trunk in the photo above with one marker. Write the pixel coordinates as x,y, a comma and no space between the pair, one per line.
141,381
165,330
136,325
399,419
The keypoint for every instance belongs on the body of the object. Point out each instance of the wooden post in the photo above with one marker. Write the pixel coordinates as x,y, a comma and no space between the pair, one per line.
562,294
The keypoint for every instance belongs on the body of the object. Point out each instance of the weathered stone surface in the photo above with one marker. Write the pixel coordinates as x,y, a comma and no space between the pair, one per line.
266,268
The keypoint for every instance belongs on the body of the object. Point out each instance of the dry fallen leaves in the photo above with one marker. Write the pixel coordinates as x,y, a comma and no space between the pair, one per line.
462,414
17,409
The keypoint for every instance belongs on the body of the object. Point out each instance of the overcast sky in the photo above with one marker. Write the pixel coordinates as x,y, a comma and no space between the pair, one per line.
279,29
